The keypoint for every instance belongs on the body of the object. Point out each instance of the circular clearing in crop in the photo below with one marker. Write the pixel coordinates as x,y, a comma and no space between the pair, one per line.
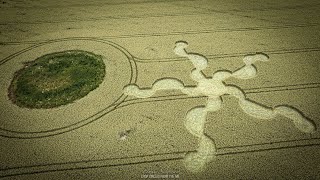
56,79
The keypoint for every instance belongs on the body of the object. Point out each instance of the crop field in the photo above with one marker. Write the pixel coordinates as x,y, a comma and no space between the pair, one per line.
168,89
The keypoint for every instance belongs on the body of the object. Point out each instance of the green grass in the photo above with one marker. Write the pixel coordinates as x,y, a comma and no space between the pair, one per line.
56,79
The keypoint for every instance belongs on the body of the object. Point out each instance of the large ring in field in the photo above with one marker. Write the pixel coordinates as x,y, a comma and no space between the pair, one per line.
17,122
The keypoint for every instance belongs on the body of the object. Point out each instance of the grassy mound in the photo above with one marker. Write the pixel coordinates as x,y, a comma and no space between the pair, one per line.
56,79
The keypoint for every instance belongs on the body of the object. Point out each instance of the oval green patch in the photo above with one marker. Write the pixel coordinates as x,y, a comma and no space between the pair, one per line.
56,79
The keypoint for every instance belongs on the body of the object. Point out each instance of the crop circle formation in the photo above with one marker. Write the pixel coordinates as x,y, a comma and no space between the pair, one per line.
56,79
